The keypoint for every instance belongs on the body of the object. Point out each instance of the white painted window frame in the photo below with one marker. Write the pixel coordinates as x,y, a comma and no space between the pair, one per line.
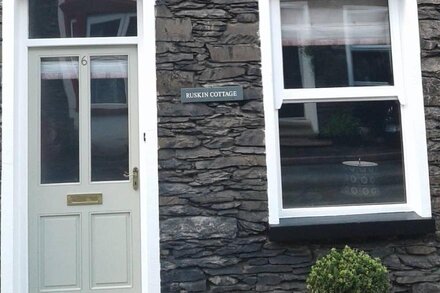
14,189
407,89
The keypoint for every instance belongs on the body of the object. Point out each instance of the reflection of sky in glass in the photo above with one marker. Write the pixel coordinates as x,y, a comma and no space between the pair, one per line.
353,156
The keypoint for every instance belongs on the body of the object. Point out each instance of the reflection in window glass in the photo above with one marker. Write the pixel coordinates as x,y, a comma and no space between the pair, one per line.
106,28
109,80
336,43
109,118
82,18
59,120
132,26
348,153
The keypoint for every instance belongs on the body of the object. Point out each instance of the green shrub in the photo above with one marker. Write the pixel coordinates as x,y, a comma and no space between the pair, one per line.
341,125
348,271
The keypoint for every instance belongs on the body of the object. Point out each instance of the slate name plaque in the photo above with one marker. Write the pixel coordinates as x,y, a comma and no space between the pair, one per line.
218,94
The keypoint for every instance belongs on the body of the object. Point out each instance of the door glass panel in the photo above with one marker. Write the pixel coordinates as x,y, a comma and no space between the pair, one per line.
109,118
353,156
59,120
82,18
336,43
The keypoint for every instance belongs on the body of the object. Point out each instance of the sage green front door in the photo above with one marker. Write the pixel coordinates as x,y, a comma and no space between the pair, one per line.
84,231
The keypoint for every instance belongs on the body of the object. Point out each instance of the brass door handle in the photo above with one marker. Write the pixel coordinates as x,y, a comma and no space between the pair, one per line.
135,176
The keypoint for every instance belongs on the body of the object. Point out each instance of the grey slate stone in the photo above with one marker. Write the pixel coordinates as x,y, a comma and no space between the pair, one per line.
212,262
204,13
253,137
413,277
163,11
198,286
219,197
232,288
198,228
223,281
426,288
220,142
422,262
222,73
179,275
179,142
231,161
247,17
173,29
234,53
420,250
170,82
200,152
241,33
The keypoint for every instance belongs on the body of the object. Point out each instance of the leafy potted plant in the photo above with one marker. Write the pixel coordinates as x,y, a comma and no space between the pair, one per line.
348,271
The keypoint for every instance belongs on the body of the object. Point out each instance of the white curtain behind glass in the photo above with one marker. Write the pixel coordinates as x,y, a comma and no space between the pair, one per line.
324,22
103,68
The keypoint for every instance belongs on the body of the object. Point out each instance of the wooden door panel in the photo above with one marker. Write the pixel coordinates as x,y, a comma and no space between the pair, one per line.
60,235
111,250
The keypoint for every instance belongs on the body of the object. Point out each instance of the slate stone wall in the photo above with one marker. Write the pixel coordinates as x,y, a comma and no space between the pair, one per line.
213,198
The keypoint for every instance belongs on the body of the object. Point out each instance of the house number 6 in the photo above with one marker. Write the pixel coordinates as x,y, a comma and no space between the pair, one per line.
84,61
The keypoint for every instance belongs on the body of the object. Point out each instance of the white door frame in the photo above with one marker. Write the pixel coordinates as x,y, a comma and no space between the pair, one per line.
14,189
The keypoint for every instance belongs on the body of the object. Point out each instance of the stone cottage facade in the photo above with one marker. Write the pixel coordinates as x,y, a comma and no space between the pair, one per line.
213,182
213,199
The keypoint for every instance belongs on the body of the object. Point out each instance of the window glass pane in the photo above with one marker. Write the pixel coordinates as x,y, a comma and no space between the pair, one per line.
336,43
82,18
59,120
342,153
109,118
105,28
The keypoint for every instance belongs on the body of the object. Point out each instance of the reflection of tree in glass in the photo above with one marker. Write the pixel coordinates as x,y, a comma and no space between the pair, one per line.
43,20
341,126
